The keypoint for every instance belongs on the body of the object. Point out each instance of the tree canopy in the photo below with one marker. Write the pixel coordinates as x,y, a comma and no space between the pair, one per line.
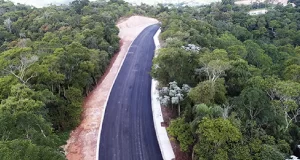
243,71
51,58
233,77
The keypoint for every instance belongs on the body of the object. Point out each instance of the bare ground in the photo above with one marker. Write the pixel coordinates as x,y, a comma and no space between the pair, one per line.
82,144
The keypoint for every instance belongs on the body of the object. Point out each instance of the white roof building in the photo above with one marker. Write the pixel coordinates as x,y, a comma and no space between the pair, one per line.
249,2
258,11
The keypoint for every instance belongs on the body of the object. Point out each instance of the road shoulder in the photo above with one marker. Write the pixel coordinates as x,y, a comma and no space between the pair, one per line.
82,144
161,132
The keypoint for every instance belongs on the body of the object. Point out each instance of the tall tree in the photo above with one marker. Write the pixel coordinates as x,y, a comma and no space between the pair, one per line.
216,137
214,64
174,64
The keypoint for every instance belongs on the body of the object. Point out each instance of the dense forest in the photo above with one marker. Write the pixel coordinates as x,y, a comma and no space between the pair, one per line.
233,78
50,58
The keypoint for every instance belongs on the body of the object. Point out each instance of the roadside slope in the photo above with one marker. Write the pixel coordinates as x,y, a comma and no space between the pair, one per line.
82,144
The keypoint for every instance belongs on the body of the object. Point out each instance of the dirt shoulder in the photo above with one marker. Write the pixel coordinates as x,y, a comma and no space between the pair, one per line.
82,144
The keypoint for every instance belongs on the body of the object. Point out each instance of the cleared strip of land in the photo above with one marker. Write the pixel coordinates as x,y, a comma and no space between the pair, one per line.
82,144
128,131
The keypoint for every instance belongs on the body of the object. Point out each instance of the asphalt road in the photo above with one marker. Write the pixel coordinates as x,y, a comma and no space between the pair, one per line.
128,130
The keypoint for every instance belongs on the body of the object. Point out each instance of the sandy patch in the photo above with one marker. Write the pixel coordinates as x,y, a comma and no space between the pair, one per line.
82,144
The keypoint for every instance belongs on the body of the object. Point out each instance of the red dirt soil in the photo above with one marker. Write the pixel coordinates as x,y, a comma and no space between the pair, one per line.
82,144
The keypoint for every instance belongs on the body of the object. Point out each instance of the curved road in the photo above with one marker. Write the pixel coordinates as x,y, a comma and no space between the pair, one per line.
128,130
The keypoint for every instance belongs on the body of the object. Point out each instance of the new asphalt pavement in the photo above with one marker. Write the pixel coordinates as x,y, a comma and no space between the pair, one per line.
127,130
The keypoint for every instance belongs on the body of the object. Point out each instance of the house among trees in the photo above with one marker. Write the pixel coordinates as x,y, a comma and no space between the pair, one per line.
258,11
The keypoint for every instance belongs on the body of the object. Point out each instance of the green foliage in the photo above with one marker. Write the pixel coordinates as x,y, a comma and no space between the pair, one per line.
271,153
182,132
202,110
215,138
24,149
246,71
209,92
220,92
50,59
174,64
23,115
292,72
227,40
203,93
237,75
79,4
252,102
237,52
241,152
256,56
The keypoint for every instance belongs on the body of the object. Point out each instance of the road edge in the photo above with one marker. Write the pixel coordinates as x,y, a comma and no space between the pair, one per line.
161,132
104,109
